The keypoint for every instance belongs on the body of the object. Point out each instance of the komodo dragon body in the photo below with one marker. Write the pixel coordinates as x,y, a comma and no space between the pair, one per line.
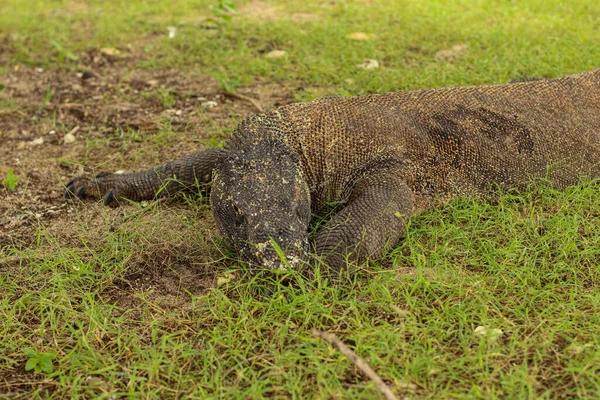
377,158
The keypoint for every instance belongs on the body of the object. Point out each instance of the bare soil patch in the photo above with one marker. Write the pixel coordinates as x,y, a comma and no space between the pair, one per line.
260,9
107,115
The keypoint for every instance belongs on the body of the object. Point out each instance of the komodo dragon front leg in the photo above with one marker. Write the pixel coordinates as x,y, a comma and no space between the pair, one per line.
371,222
161,181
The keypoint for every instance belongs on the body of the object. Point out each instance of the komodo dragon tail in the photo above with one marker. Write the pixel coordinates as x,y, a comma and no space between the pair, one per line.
157,182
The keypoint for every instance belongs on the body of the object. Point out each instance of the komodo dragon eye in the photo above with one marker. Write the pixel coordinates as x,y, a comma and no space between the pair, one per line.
236,215
229,212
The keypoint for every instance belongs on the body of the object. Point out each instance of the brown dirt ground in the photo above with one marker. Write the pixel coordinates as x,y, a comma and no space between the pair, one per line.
118,118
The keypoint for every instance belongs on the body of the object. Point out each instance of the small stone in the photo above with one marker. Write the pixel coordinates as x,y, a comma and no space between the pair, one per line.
69,138
40,70
209,104
36,142
276,54
178,113
52,132
368,65
172,31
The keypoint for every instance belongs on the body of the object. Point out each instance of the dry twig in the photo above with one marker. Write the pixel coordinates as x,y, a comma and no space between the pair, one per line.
250,100
356,360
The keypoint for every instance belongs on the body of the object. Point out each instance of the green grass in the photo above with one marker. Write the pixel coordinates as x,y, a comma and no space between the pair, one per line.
505,40
527,265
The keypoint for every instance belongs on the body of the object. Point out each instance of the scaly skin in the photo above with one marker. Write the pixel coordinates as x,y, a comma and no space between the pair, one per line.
378,158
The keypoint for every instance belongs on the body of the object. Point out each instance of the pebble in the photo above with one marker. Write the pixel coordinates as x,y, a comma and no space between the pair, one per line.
69,138
209,104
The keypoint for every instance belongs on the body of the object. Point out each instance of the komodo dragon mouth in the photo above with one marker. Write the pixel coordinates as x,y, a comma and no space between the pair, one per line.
373,156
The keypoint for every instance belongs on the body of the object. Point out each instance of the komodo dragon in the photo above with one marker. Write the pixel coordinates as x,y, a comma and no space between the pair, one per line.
378,157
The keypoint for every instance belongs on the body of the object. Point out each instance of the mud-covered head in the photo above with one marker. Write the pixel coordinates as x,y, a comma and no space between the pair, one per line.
259,196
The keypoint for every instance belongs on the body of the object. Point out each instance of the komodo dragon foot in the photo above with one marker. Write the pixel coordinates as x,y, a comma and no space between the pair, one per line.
159,182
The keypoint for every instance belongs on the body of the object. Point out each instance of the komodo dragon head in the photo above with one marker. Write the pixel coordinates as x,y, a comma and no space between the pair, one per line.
259,196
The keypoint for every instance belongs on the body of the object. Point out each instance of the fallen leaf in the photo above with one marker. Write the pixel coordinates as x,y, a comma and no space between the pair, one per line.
224,279
368,65
110,51
209,104
491,333
360,36
276,54
576,349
